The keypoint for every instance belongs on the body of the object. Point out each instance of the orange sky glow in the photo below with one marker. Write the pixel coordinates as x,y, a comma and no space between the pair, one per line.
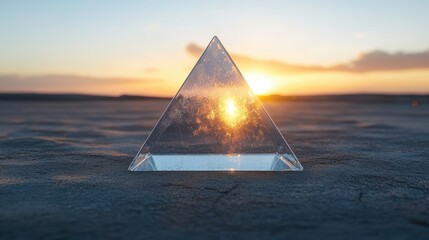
149,48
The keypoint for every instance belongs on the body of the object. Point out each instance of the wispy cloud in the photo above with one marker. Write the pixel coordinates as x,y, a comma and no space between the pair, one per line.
382,61
268,65
366,62
66,83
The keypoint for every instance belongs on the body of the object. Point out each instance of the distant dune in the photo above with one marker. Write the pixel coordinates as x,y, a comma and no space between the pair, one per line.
385,98
381,98
70,97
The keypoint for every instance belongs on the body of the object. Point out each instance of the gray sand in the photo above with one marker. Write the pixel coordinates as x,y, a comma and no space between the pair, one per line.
63,173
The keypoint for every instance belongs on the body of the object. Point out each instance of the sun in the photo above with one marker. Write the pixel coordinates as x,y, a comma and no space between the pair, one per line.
260,83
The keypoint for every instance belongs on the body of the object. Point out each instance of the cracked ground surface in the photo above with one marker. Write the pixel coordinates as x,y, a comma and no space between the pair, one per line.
63,174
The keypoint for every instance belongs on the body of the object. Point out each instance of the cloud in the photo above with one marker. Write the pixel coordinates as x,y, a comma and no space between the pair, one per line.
267,65
66,83
382,61
366,62
194,49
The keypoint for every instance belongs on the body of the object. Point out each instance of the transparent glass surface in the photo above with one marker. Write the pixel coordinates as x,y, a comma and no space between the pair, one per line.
215,123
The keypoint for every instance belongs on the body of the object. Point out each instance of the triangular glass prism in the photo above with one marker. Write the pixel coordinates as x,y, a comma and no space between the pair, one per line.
215,123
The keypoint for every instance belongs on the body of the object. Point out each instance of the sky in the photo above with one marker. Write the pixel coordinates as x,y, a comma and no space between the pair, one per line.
149,47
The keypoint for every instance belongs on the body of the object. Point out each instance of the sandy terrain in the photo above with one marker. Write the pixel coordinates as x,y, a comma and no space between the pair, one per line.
63,173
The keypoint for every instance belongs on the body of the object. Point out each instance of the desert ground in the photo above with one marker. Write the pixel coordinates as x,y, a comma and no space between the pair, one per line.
63,174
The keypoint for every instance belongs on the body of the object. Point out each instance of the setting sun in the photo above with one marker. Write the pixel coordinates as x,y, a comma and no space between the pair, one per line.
260,83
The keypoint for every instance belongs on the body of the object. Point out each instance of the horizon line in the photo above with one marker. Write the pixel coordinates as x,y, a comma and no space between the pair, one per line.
414,99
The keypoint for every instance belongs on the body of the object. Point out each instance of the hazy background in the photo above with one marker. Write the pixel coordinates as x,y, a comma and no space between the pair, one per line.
149,47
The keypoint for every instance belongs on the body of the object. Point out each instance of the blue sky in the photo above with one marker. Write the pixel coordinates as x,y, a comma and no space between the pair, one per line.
125,38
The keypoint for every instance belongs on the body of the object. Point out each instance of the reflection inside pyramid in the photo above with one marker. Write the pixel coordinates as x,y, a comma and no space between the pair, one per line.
215,123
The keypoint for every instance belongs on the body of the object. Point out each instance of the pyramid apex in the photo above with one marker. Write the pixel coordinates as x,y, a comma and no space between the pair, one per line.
215,38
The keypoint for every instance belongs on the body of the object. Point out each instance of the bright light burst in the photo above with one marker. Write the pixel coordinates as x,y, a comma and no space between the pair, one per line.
232,112
260,83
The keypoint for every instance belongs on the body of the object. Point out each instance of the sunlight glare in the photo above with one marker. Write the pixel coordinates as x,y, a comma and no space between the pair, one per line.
260,83
232,112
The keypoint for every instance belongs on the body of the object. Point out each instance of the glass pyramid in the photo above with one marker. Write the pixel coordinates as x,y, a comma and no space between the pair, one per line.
215,123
